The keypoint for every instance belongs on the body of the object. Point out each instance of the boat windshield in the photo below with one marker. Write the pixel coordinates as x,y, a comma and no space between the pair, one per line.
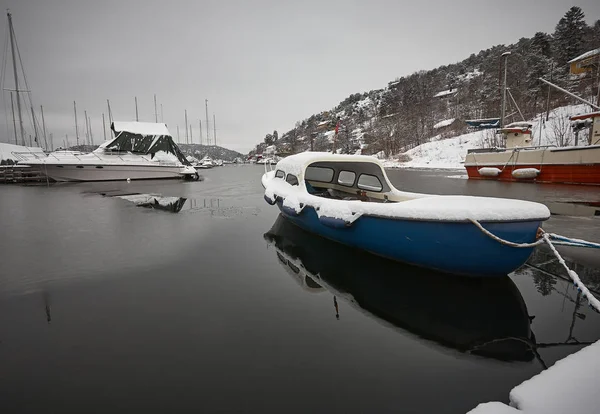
346,180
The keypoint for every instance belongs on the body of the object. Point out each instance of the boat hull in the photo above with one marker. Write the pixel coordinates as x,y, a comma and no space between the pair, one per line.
450,247
103,172
560,174
574,165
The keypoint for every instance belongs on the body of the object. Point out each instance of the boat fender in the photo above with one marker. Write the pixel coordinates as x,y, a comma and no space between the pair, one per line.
269,200
290,211
489,171
335,223
526,173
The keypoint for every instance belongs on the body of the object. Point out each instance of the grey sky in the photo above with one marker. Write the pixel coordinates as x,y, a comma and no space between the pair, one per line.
262,65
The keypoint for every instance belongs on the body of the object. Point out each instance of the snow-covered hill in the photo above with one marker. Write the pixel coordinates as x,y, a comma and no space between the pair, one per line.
451,152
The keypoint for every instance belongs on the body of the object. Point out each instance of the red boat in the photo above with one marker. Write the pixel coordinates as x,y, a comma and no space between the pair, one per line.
521,162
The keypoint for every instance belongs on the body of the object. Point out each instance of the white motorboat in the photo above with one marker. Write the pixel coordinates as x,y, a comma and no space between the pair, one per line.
139,151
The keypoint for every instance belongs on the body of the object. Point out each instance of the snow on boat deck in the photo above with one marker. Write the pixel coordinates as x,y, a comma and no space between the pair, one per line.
569,386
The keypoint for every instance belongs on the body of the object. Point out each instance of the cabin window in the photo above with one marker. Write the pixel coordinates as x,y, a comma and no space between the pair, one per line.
292,179
322,174
294,268
369,182
279,174
346,178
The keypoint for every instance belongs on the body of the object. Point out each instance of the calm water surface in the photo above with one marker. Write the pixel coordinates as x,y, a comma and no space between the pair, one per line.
106,306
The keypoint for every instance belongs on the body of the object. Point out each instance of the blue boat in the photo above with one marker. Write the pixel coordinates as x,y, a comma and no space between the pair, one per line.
487,123
349,199
484,317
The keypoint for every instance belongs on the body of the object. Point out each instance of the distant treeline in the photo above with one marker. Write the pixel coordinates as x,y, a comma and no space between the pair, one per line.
410,110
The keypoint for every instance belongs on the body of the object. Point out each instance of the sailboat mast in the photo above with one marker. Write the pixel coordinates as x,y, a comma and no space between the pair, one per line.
12,105
110,118
35,131
186,127
155,111
207,134
137,118
87,128
104,126
91,133
215,129
76,127
44,127
505,56
12,48
200,125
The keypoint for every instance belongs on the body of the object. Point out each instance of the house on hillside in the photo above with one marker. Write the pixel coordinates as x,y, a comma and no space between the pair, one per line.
270,150
449,93
585,62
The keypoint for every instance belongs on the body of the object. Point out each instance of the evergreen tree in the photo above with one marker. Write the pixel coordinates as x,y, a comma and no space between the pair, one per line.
540,44
569,35
275,136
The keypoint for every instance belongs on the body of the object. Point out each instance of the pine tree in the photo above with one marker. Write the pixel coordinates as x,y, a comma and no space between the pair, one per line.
569,35
541,44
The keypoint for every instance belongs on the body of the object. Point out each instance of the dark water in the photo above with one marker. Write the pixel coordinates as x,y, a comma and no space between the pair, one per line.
106,306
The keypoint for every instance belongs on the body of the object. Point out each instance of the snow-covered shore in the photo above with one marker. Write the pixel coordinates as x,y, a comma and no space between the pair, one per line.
569,386
450,153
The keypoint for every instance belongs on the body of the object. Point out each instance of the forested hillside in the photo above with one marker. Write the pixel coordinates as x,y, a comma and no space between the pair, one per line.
414,109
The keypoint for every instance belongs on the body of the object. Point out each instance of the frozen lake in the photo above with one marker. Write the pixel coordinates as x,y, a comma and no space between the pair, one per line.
109,307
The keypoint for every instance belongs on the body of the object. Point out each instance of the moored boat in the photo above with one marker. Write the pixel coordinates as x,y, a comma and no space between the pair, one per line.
140,150
520,161
349,199
483,317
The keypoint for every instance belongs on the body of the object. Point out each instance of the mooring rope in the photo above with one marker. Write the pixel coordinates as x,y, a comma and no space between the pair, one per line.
547,238
594,303
506,242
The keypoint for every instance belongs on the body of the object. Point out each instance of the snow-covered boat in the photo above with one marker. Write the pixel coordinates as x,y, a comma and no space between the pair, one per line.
140,150
520,161
486,317
349,199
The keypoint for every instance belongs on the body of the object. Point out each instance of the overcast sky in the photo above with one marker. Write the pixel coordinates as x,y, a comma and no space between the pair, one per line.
262,65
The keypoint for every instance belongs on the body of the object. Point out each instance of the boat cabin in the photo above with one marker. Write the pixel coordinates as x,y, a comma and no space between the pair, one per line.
579,122
341,177
517,134
142,138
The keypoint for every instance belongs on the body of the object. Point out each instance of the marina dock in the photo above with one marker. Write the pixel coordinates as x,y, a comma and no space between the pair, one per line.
16,174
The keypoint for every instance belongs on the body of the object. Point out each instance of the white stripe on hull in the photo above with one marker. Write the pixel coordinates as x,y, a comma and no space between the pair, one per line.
110,172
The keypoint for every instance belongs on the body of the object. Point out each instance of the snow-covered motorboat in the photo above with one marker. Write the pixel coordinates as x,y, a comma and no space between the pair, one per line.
349,199
486,317
140,150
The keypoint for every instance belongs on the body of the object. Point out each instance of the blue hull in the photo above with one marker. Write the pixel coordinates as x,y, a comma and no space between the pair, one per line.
452,247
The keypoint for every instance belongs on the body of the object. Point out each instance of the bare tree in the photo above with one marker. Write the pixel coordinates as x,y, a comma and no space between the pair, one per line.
562,133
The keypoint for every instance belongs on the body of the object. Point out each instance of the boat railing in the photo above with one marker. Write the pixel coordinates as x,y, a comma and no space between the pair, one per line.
25,156
496,149
29,156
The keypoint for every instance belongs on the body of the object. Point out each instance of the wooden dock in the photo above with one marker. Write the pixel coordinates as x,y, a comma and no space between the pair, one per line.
15,174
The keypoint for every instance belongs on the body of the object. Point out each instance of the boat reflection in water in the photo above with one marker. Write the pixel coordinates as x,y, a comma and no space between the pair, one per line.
482,316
